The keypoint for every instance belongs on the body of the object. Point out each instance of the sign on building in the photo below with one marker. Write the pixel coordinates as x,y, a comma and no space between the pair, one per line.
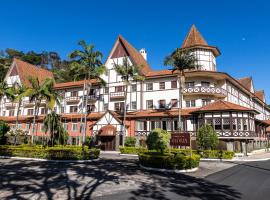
182,139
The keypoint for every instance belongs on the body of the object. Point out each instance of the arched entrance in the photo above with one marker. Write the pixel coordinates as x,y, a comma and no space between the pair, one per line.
106,137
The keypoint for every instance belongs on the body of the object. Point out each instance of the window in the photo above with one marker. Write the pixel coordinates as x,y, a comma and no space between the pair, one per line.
119,106
149,86
119,88
30,111
43,111
239,125
162,103
74,93
134,88
245,125
162,85
174,103
217,123
106,90
189,84
149,104
27,126
62,109
74,127
190,103
65,126
73,109
153,125
141,125
133,105
164,125
173,84
91,108
226,123
205,84
234,124
19,126
175,125
205,102
105,106
210,122
42,128
11,113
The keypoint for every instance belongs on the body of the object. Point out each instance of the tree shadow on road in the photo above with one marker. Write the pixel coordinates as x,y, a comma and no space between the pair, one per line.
48,180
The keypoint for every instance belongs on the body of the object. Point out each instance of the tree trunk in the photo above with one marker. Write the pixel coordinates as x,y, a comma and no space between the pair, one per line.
125,113
17,120
83,106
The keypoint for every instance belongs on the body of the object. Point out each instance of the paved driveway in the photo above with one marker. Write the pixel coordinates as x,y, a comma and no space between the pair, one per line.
123,179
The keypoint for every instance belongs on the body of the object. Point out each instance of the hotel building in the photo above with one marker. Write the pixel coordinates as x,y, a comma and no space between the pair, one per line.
235,109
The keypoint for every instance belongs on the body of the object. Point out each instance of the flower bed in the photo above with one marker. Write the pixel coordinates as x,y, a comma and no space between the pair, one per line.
169,161
50,153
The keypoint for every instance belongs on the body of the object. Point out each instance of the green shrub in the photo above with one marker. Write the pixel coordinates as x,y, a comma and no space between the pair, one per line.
207,138
130,141
158,139
219,154
4,128
51,153
168,160
132,150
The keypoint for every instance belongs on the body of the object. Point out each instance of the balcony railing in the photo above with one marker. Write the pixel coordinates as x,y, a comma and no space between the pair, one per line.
28,103
205,91
117,95
73,99
10,105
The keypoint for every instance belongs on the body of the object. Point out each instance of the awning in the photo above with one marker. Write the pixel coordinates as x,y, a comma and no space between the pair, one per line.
108,130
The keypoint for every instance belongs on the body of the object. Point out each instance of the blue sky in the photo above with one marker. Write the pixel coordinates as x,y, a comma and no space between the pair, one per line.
240,29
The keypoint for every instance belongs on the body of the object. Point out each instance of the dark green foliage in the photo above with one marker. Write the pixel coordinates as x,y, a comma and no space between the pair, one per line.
51,153
132,150
4,128
168,160
130,141
158,139
207,138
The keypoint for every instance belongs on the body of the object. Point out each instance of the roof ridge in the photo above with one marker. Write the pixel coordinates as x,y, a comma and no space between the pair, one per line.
194,37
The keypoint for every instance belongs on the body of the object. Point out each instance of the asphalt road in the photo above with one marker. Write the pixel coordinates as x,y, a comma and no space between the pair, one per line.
123,179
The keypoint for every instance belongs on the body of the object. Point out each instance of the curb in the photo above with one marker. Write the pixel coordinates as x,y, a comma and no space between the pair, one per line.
46,160
132,155
233,160
171,170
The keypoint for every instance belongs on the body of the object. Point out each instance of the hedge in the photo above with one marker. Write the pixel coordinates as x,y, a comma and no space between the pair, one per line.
169,160
50,153
219,154
132,150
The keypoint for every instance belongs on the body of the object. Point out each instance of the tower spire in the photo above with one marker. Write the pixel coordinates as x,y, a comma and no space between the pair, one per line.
194,38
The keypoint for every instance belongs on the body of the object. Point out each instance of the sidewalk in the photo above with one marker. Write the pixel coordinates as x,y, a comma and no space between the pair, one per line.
259,156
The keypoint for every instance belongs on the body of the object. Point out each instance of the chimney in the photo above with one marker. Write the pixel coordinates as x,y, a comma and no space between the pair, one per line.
143,53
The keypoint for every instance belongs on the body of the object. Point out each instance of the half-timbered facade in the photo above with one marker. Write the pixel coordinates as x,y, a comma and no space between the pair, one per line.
237,112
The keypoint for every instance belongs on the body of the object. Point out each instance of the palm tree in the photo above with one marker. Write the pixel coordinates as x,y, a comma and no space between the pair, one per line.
52,124
38,92
87,65
128,73
181,60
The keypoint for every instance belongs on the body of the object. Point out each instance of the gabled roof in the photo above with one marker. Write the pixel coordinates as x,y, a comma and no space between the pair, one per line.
260,95
26,70
134,55
221,105
195,39
246,82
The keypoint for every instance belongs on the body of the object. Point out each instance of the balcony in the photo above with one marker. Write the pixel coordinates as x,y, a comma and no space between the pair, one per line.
200,90
28,103
10,104
117,95
74,99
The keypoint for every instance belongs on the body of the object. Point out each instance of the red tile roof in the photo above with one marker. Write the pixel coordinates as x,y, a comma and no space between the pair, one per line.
260,95
195,39
26,70
135,56
246,82
74,84
221,105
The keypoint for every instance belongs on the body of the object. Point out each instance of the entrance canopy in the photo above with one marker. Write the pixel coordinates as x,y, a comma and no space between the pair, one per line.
108,130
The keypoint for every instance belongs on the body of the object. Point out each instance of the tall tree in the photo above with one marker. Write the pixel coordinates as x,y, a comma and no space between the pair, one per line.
38,92
181,60
88,65
128,73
